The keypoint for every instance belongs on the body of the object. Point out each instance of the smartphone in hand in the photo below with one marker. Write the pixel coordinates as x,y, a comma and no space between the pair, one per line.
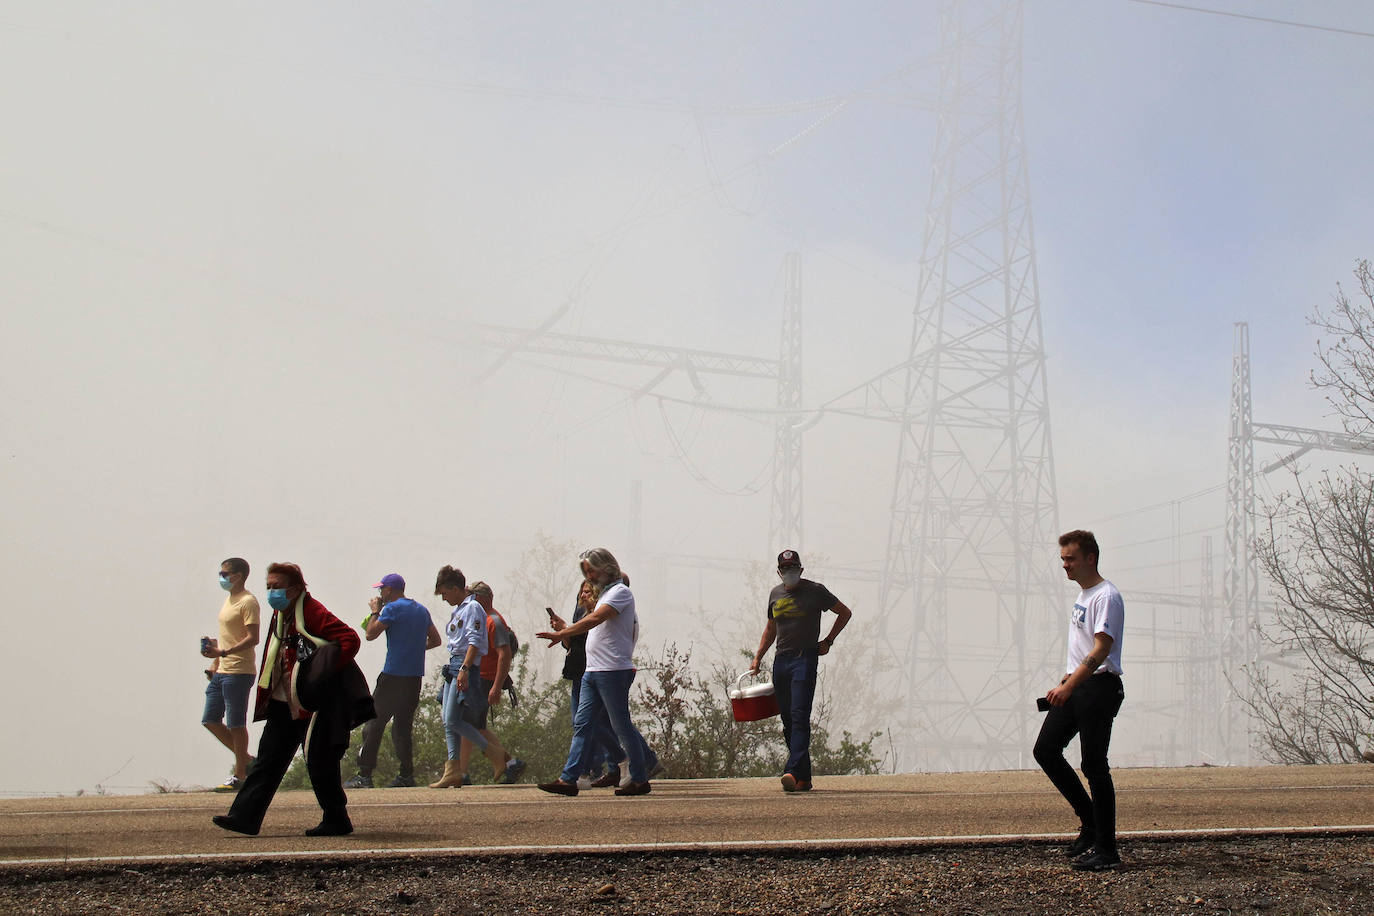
549,611
1042,704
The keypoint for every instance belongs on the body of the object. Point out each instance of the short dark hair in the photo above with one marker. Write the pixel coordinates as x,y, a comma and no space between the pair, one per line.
1086,541
294,577
449,576
237,565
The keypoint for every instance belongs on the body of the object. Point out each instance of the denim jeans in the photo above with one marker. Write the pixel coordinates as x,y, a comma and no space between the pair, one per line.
459,705
794,685
607,691
602,747
226,698
1088,713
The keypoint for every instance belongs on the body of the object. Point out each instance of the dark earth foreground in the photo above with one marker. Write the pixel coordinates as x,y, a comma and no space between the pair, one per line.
1269,875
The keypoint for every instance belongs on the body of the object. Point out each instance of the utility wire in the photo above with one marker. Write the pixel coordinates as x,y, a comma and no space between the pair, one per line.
1287,22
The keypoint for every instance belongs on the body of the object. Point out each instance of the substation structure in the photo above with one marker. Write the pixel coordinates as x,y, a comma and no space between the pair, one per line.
972,602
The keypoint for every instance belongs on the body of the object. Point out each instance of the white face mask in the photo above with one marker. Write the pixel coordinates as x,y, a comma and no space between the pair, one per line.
790,577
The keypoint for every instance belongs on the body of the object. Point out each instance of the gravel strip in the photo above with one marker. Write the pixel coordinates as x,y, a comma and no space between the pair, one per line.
1268,875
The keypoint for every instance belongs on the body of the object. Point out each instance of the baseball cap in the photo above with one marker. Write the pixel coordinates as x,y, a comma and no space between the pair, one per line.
789,558
391,580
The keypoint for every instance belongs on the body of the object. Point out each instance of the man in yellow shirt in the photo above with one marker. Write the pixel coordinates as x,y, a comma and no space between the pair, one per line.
232,672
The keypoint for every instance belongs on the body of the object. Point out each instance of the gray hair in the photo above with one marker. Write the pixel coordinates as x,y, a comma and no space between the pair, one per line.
601,560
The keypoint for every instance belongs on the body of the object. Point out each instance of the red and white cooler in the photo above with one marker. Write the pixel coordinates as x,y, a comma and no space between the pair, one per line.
755,702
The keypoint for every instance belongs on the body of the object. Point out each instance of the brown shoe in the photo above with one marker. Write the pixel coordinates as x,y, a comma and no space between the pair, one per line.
803,785
607,780
452,776
559,787
789,782
635,788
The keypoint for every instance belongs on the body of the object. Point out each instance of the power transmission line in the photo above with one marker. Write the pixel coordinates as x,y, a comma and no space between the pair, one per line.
1228,14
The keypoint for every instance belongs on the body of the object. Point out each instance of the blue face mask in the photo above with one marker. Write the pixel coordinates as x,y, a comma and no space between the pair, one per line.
224,582
277,598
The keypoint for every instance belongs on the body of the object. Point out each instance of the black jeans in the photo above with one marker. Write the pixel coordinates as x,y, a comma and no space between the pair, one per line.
282,736
396,699
1088,713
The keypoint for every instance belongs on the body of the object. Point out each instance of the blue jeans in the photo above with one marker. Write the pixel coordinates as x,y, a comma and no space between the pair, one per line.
458,705
794,684
603,748
226,698
608,693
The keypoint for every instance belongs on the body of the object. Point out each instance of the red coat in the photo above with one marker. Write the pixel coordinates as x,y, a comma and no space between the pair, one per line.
320,624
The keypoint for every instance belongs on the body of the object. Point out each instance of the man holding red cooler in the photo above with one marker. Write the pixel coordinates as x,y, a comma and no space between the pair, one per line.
794,622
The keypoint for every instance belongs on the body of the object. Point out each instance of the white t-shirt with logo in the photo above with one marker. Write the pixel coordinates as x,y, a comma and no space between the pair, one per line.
611,644
1098,610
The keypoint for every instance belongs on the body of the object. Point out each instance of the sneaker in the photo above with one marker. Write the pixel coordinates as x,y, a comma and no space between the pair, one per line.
606,780
635,788
514,767
359,782
584,782
1082,844
229,785
559,787
789,782
1097,861
401,782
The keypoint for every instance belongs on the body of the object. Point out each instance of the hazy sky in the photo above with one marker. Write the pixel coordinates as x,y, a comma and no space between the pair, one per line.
242,246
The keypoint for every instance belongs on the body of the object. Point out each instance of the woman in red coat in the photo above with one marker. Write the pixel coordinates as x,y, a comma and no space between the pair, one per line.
300,626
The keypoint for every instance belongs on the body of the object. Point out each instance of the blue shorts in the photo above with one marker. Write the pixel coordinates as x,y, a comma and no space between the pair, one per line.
226,698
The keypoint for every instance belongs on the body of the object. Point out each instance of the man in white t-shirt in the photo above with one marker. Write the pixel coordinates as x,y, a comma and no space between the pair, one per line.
1084,703
612,630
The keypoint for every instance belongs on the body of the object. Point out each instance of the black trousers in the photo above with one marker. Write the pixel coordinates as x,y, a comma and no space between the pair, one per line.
396,699
282,736
1088,714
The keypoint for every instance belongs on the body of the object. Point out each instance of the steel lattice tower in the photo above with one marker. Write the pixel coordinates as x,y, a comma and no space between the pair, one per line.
972,553
785,520
1240,587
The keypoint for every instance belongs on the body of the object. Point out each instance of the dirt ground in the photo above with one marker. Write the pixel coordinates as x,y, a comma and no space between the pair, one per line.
1262,875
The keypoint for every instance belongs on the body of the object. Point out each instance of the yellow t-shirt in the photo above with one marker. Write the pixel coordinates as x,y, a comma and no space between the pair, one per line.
234,619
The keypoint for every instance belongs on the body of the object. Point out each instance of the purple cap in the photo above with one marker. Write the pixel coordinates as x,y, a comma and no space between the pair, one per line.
788,558
391,580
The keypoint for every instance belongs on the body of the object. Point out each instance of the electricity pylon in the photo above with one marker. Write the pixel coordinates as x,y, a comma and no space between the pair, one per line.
1240,643
971,552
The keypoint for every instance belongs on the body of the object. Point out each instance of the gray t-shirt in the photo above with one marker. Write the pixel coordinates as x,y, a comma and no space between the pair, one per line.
798,614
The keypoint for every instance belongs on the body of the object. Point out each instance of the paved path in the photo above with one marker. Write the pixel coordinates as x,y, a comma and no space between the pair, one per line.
732,814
